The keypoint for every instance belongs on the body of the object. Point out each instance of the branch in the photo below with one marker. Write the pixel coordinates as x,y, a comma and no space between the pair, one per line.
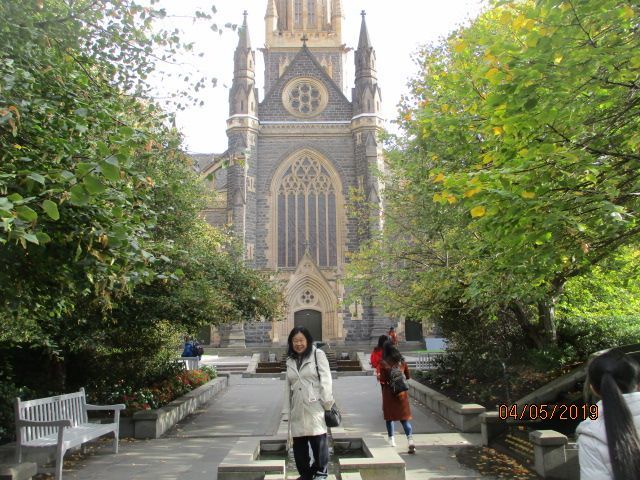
573,8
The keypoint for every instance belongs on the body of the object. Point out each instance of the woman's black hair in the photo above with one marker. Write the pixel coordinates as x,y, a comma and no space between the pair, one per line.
612,374
296,330
381,340
391,354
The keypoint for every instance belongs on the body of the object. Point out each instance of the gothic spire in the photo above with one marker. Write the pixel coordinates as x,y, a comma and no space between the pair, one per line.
365,56
244,58
244,41
242,95
366,95
365,41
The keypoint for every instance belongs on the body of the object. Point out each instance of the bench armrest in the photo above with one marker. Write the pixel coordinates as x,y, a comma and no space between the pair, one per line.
35,423
117,406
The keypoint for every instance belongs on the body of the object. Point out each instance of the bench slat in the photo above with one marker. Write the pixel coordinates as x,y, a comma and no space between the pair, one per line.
73,437
70,408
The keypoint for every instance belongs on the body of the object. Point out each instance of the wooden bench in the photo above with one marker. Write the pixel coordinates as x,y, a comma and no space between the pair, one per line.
60,422
190,363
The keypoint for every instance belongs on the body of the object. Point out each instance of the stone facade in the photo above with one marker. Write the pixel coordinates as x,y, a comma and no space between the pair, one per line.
293,160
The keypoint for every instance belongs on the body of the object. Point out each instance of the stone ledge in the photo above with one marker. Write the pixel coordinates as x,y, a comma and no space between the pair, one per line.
380,461
364,362
546,438
154,423
253,364
18,471
550,455
491,425
464,416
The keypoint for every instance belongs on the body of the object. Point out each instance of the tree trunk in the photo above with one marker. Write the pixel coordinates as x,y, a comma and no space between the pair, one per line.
547,313
523,320
547,316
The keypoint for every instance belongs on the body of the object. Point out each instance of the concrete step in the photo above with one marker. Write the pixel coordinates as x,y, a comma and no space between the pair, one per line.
228,369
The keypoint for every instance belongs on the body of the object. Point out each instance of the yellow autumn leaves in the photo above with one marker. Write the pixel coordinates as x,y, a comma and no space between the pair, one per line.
445,196
476,211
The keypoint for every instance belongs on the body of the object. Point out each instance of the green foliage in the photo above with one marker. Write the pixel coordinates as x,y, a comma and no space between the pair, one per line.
601,310
104,257
8,392
516,170
96,198
211,371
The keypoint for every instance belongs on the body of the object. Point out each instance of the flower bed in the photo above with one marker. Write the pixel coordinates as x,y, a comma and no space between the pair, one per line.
160,393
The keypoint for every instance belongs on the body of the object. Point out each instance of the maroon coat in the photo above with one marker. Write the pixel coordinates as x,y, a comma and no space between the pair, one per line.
394,407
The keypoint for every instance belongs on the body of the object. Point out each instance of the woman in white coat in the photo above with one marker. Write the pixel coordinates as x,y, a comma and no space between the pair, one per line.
309,392
609,446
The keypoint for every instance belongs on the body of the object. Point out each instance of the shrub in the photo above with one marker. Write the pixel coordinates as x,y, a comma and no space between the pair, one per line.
160,393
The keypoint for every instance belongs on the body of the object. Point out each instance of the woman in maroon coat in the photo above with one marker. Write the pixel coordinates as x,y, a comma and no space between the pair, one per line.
395,407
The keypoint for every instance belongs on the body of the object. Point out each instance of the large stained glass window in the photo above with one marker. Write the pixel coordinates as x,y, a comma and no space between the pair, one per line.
306,215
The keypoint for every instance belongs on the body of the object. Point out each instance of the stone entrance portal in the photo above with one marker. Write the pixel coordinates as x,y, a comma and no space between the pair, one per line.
311,320
413,331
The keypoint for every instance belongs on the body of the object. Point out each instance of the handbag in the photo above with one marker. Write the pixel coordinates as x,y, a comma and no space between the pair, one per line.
332,417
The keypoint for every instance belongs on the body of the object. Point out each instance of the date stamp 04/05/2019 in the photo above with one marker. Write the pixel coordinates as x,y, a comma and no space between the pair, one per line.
543,411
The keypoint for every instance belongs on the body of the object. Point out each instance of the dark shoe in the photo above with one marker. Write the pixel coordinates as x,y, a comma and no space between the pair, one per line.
412,449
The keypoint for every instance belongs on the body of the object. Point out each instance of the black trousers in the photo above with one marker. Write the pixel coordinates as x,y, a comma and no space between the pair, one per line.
320,448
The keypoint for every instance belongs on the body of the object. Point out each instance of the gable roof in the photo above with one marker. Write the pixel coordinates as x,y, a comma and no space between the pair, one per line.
305,64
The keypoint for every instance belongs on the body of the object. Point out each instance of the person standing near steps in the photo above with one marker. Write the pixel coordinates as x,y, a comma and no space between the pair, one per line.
393,336
308,388
395,407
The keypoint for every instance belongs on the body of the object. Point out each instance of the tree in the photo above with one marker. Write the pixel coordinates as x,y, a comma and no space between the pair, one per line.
518,170
104,256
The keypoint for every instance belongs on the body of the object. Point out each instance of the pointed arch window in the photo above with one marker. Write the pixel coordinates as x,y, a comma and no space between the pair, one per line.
297,8
311,14
306,214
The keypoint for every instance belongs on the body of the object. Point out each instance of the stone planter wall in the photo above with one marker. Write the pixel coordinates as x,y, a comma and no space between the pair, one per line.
464,416
154,423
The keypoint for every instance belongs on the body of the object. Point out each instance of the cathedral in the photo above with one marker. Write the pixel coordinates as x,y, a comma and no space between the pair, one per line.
297,184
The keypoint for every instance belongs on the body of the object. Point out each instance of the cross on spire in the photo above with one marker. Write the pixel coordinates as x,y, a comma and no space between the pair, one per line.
306,244
304,40
363,13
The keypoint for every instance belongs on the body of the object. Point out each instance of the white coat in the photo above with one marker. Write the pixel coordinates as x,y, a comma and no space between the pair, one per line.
593,452
308,396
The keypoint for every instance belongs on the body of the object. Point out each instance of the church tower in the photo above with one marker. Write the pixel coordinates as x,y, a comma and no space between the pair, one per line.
294,159
242,131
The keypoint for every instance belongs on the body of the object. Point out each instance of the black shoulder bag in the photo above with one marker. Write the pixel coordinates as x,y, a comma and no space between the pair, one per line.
332,417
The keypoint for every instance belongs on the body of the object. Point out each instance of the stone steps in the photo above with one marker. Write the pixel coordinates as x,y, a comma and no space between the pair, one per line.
232,368
519,445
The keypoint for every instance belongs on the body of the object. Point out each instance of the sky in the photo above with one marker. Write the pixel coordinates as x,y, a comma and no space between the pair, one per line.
397,29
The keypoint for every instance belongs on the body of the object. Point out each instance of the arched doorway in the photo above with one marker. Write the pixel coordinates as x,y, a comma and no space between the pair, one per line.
413,330
311,320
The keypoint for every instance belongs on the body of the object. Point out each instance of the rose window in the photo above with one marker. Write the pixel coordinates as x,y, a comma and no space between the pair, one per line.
305,97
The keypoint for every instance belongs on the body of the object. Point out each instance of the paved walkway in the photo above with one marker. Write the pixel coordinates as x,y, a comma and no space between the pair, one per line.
251,407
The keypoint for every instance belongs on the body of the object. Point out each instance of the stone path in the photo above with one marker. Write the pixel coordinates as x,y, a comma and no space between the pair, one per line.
251,407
